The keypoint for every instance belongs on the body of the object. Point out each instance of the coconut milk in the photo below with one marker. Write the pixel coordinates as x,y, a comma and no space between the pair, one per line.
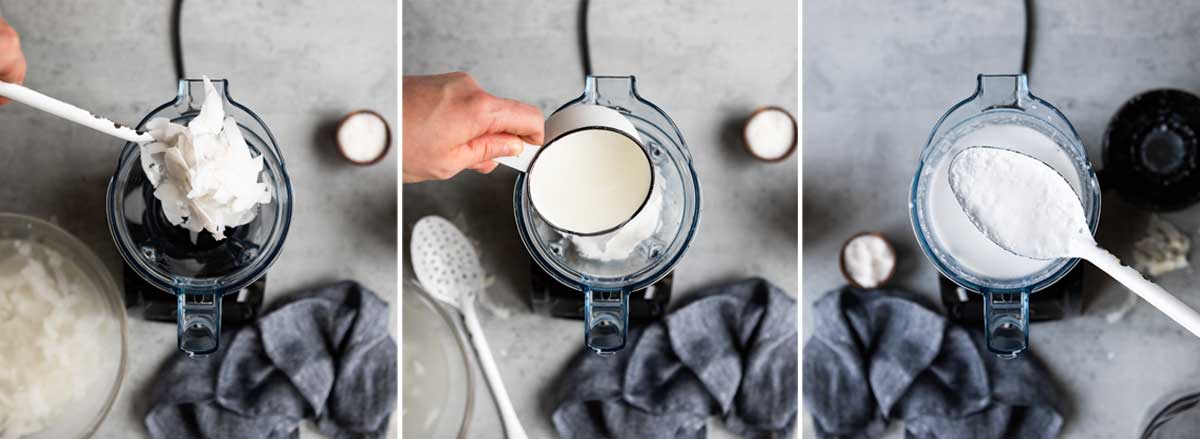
954,230
590,181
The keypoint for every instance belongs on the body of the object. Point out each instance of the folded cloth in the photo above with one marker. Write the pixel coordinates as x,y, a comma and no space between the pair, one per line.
732,353
878,355
325,354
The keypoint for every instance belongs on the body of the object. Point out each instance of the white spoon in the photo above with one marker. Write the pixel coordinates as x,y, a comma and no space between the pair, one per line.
1029,209
70,112
447,267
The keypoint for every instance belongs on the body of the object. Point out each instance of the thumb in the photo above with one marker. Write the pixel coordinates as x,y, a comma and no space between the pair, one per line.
488,147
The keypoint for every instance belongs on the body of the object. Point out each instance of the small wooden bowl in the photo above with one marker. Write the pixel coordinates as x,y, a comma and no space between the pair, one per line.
387,146
846,273
795,135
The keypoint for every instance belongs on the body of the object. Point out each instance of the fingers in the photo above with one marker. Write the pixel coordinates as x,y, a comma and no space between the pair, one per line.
519,119
487,147
485,167
12,61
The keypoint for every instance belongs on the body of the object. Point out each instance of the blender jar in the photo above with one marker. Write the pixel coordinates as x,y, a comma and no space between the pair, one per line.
1004,101
195,267
606,283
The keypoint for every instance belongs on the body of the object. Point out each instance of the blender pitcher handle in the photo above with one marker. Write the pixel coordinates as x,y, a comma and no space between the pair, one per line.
606,319
198,320
1006,316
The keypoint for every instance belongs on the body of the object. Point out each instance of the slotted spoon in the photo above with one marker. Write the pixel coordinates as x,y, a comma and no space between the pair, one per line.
448,269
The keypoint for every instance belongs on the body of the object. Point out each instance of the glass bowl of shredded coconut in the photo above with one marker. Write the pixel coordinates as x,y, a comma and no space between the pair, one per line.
63,354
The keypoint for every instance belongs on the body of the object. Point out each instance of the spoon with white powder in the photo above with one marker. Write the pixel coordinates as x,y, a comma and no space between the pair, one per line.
1027,208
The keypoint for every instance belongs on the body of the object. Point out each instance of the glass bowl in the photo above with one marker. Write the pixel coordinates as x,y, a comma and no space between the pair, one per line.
438,384
84,415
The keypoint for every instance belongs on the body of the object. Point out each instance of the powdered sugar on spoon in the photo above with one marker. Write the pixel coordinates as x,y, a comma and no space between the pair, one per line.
1027,208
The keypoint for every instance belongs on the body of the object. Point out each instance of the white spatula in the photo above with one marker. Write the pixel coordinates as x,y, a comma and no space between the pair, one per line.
70,112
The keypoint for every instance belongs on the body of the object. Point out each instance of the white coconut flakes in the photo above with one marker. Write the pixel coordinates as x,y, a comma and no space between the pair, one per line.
204,173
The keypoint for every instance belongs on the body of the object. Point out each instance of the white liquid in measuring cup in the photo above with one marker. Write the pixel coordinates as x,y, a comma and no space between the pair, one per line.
590,181
964,242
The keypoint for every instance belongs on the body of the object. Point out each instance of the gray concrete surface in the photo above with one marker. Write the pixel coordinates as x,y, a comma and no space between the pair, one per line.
299,65
877,75
707,64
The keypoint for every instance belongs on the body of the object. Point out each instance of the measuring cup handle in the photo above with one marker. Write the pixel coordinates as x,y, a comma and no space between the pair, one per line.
1006,320
606,319
198,320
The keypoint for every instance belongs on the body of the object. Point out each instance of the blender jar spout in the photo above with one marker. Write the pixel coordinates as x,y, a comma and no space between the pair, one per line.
609,91
198,322
606,320
191,92
1002,91
1006,316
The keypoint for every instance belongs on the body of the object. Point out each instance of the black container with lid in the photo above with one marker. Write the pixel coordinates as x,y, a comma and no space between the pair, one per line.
1152,151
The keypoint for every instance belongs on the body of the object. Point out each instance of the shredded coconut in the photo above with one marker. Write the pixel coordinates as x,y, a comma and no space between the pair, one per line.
1164,249
204,173
54,337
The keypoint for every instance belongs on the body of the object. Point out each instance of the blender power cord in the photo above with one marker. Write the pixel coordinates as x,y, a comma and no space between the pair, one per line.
176,40
584,46
1027,51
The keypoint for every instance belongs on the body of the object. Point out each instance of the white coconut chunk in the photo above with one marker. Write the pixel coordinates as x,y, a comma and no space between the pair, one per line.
205,174
212,112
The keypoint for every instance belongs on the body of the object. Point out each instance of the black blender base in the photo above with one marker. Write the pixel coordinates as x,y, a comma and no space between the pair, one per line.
549,297
157,305
1062,300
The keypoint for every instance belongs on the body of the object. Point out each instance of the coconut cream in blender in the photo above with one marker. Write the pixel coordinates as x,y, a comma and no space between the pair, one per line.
958,235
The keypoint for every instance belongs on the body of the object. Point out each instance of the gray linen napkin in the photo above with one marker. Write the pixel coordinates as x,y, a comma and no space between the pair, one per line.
732,352
325,354
876,356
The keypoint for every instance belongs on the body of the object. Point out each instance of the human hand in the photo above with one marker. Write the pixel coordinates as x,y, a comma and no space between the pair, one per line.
12,61
451,124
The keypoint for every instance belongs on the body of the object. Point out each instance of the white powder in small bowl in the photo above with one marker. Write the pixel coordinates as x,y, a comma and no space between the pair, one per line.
868,260
363,137
770,134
